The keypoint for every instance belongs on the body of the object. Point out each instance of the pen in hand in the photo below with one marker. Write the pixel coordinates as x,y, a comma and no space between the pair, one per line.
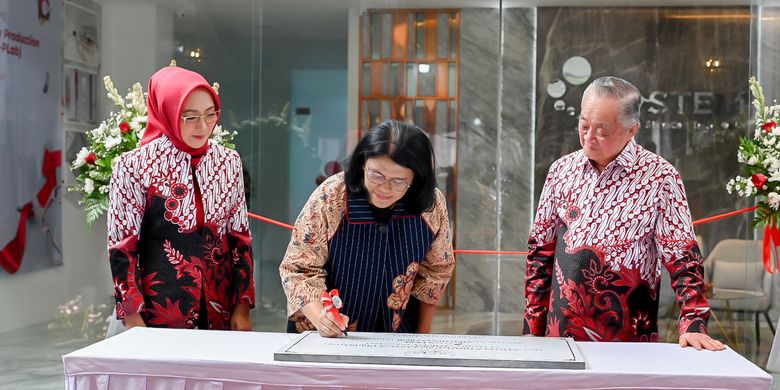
332,302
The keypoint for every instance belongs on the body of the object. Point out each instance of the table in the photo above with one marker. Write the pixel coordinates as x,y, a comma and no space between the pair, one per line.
773,362
146,358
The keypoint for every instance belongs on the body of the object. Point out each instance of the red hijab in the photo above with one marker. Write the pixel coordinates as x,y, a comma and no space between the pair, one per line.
168,90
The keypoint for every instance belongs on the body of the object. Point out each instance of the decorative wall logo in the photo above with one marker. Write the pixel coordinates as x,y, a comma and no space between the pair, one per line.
577,71
667,109
696,103
44,11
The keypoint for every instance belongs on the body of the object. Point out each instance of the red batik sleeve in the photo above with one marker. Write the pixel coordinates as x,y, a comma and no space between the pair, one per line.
539,264
679,252
127,200
240,240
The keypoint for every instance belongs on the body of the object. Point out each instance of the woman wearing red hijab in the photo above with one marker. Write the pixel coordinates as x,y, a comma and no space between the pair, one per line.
178,234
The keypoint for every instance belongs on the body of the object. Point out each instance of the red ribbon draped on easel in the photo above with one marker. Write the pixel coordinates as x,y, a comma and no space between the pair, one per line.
11,256
771,242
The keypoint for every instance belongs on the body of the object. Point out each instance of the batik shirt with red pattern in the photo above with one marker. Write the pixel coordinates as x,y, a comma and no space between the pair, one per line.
597,246
162,262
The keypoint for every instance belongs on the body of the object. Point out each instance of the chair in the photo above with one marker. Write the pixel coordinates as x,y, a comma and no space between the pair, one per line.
735,271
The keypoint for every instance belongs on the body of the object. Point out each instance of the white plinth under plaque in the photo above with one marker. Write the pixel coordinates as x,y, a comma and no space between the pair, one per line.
436,350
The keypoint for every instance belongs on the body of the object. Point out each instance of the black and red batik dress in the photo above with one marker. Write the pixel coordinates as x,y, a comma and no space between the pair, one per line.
166,266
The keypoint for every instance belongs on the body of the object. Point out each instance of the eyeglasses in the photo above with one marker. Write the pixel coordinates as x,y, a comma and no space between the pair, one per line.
193,120
398,185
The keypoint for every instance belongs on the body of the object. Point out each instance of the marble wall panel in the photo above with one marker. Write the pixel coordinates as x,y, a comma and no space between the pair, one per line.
477,164
495,154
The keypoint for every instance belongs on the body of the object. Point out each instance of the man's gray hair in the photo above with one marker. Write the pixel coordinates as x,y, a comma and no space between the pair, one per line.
624,92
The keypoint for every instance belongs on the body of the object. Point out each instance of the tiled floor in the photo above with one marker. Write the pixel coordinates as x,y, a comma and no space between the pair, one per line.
31,358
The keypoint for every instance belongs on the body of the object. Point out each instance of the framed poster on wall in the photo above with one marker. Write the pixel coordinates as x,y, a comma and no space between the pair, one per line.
69,94
81,34
86,99
79,95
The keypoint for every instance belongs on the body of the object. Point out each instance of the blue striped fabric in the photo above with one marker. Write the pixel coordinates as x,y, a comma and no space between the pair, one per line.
363,261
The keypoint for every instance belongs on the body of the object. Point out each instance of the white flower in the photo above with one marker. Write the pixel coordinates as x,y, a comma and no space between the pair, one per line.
103,189
99,132
138,123
112,94
773,163
216,135
112,141
749,188
89,186
753,160
81,157
730,186
138,99
773,199
741,158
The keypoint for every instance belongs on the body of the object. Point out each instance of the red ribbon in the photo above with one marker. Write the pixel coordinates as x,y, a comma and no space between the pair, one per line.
492,252
11,256
771,242
271,221
51,161
724,215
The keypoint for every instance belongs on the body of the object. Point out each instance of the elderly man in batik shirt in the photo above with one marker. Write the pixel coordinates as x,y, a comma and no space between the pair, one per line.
610,215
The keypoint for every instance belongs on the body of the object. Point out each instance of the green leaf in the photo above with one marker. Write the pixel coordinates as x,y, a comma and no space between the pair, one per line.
95,208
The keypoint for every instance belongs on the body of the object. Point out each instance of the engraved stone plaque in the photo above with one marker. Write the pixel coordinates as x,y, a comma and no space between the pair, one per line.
436,350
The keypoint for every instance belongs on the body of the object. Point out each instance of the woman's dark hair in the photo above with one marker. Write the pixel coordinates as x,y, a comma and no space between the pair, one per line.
407,146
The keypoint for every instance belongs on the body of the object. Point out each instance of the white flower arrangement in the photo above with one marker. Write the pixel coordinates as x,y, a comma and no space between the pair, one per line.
761,156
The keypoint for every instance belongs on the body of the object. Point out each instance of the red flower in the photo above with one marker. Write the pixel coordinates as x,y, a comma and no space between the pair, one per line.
90,159
769,126
758,180
124,127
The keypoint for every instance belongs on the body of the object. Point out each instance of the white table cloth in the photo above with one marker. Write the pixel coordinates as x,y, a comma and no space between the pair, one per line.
773,363
146,358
